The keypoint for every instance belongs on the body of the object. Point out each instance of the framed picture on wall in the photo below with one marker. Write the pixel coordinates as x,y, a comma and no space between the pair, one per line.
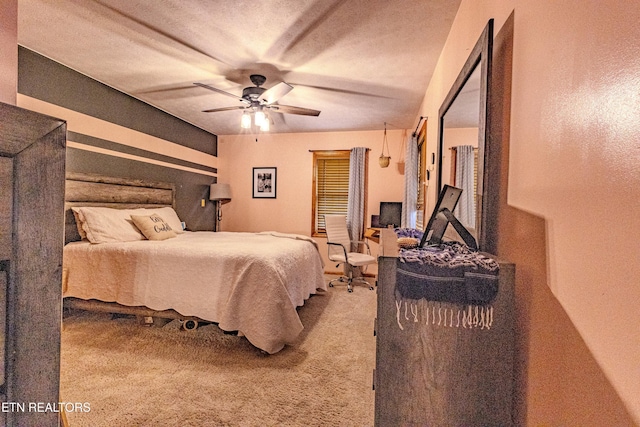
264,183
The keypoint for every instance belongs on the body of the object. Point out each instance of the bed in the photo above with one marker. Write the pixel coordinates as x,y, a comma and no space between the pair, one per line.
251,283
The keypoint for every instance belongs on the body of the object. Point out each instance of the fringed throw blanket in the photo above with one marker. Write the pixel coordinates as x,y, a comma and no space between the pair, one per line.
449,272
447,285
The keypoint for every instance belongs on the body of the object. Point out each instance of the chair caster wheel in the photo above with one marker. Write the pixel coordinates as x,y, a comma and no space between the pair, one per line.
190,325
350,290
331,285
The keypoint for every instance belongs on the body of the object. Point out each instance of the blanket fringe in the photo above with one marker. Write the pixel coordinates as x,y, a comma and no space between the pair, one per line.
444,315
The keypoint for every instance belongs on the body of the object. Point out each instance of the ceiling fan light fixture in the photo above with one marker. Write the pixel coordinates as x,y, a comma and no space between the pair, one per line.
259,118
265,124
245,122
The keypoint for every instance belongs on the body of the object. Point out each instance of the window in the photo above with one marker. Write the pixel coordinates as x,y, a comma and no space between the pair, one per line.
330,186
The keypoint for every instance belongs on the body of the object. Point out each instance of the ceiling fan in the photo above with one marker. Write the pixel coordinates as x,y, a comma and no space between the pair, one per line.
256,99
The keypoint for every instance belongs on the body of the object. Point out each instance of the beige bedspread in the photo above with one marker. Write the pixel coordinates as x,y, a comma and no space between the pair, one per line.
246,282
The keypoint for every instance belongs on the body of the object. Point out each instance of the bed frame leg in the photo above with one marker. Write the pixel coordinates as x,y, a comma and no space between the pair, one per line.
145,320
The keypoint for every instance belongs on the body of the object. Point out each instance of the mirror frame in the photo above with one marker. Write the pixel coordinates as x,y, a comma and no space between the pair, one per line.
480,55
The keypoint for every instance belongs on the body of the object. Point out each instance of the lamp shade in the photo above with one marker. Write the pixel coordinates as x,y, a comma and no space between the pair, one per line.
220,192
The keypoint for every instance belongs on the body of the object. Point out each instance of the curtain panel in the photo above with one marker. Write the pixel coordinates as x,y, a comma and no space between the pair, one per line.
410,201
465,163
355,204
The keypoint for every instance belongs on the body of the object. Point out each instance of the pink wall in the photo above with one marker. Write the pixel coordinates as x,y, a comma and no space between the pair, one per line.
570,197
291,211
8,51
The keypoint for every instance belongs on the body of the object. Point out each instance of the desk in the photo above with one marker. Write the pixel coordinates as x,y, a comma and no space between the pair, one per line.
372,234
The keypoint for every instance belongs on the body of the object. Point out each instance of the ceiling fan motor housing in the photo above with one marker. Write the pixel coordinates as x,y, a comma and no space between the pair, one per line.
252,92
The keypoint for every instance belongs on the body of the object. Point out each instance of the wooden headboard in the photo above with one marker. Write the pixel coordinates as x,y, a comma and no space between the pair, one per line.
120,193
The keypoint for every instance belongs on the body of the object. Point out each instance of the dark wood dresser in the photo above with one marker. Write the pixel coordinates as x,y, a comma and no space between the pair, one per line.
32,168
433,371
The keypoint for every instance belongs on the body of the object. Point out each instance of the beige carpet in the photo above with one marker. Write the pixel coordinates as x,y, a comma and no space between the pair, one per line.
133,375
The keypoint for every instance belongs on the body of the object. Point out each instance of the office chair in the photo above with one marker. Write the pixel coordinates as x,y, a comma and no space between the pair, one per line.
339,248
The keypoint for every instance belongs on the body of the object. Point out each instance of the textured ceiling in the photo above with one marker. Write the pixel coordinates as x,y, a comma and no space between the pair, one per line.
360,62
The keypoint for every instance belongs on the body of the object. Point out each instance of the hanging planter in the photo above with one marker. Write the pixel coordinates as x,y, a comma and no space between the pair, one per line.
384,160
403,148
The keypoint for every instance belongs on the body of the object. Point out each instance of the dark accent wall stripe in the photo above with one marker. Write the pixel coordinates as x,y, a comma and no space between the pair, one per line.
47,80
114,146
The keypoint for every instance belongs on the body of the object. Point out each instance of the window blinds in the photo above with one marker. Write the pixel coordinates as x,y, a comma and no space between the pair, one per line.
332,180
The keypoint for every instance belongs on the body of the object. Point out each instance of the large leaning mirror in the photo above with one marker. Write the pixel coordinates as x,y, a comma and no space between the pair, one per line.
463,138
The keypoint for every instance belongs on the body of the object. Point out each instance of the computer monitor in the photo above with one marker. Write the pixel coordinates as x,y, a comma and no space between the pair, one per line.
390,214
448,199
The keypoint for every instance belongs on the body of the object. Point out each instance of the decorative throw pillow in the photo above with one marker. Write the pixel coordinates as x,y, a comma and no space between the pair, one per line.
167,213
153,227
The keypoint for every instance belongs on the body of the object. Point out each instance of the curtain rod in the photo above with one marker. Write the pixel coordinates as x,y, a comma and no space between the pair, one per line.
337,149
415,132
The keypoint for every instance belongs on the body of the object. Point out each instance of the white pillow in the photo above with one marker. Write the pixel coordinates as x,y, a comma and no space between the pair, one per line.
79,222
167,213
103,225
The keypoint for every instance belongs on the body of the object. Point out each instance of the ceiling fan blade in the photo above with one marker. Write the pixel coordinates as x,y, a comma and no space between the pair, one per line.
222,92
276,92
157,89
215,110
288,109
346,91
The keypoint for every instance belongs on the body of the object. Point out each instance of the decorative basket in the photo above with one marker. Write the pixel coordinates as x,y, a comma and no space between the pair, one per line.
384,160
408,242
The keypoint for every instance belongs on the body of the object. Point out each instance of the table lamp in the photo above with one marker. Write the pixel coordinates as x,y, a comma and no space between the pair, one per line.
220,194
